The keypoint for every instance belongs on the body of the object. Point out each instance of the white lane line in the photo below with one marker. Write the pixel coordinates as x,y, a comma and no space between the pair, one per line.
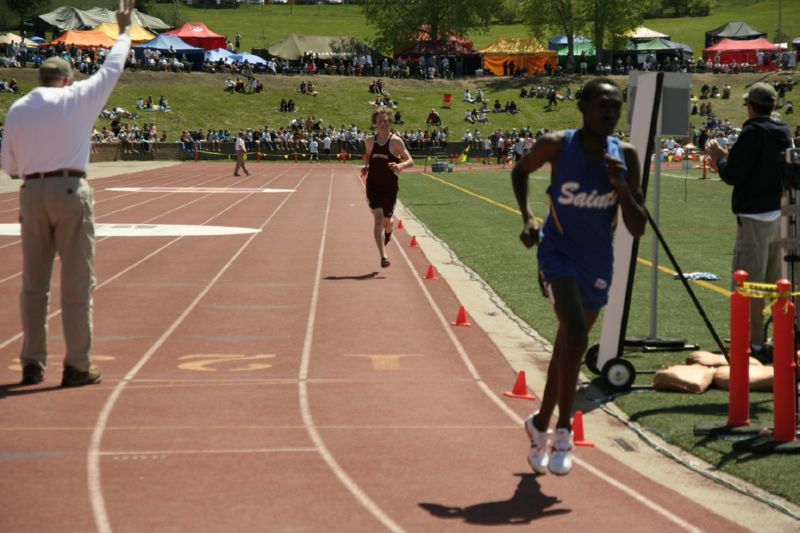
144,259
96,499
305,410
519,421
211,452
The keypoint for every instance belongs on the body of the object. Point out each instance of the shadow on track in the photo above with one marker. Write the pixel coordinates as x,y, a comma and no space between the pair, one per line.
362,277
526,505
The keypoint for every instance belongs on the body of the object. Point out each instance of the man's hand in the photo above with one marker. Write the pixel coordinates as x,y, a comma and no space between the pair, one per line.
530,233
715,152
124,14
364,171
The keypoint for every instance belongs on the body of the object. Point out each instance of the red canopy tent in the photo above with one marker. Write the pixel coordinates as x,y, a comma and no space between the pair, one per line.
741,51
198,34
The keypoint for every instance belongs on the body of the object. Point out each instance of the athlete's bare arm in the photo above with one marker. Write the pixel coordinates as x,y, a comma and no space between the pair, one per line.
546,150
398,148
367,151
629,192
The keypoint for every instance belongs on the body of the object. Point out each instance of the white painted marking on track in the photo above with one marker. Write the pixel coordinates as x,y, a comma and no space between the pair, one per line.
305,410
150,230
99,511
210,452
204,190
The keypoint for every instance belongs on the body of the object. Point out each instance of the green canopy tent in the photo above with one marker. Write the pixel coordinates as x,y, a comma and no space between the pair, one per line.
586,47
294,46
67,18
661,48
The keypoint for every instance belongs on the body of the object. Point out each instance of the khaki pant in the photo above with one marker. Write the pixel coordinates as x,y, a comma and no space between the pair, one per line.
758,252
57,216
240,163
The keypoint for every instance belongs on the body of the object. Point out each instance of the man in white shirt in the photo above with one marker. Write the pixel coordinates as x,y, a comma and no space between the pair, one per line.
47,144
241,152
313,149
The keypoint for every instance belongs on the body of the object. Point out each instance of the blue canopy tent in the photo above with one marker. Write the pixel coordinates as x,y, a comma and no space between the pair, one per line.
171,44
218,53
557,43
250,58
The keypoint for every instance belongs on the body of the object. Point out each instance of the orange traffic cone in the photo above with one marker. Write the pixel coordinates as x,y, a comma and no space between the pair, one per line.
413,243
400,224
461,319
578,438
520,388
431,274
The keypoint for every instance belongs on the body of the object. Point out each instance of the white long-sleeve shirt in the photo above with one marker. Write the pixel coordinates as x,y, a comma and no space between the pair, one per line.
50,128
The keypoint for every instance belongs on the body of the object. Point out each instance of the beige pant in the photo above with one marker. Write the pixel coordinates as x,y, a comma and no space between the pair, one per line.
758,252
240,163
57,216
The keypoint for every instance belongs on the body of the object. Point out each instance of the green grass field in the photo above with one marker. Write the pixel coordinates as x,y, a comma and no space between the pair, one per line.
262,26
199,100
699,229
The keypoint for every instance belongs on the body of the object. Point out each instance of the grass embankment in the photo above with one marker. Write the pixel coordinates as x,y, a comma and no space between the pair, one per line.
198,100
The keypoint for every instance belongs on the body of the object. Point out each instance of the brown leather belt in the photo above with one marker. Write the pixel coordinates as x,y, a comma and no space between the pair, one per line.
61,173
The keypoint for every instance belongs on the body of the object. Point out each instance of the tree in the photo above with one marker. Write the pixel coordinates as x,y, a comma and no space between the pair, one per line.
605,18
26,8
566,16
398,23
612,18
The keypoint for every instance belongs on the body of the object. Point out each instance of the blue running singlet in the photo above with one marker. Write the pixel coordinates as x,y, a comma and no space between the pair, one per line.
577,237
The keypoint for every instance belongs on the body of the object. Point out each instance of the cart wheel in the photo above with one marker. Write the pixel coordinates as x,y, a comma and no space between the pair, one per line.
619,374
591,358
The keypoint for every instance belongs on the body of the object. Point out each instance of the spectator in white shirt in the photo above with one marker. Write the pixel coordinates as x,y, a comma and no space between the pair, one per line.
241,153
47,143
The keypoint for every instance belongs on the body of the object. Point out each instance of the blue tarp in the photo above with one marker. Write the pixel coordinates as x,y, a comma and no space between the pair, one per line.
557,43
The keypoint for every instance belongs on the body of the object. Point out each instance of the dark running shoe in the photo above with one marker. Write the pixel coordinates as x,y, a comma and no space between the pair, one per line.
387,237
385,262
75,378
32,374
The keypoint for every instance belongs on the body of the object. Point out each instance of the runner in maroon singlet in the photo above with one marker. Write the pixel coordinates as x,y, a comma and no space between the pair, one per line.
387,157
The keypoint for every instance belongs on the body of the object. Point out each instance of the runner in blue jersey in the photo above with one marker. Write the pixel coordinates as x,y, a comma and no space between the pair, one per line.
592,175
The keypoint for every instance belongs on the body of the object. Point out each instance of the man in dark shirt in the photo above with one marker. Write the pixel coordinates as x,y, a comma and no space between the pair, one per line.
754,168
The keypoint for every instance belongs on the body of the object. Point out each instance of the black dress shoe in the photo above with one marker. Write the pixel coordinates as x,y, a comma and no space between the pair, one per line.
32,374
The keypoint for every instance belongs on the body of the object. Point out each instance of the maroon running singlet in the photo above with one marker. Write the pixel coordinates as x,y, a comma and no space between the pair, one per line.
382,183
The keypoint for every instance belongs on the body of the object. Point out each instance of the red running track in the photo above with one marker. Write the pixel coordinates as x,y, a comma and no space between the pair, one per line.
281,380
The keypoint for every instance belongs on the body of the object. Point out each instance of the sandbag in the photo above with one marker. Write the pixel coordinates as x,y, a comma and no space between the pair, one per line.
760,378
702,357
715,360
684,378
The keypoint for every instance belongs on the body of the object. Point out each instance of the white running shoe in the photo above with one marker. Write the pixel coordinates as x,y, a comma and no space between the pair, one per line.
561,459
538,457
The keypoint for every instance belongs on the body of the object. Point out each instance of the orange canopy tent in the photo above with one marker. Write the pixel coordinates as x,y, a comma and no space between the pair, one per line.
138,32
524,53
84,39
